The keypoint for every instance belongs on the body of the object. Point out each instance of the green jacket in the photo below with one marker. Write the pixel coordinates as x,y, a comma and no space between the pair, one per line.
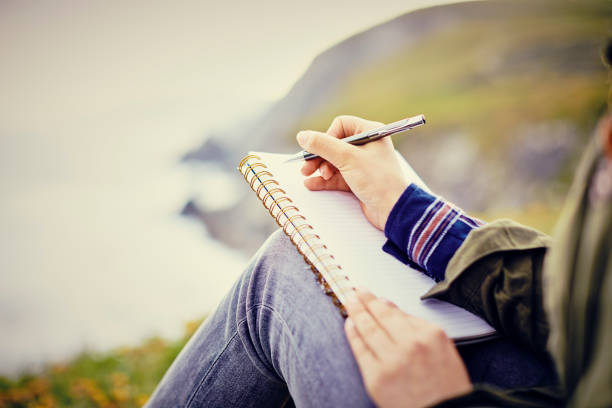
554,295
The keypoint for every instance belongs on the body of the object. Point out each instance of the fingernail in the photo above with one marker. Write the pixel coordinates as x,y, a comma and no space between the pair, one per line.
350,325
302,137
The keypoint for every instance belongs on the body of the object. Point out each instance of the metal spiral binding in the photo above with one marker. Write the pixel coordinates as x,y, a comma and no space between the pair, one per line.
328,273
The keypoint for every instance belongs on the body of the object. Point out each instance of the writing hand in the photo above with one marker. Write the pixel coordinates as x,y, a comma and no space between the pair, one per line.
372,171
404,361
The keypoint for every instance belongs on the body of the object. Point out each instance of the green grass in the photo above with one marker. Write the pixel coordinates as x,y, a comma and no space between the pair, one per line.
463,77
122,378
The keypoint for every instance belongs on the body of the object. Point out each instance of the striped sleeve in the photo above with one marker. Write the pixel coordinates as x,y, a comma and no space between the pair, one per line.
425,231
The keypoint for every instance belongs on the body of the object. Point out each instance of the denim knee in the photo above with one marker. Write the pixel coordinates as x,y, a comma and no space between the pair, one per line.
280,279
279,260
278,250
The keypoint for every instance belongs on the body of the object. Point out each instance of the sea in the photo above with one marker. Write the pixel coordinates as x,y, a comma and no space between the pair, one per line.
98,102
93,263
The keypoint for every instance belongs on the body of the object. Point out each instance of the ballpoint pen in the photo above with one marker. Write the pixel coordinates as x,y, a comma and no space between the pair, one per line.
370,135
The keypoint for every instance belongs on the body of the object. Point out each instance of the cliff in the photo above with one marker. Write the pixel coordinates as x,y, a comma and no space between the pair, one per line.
511,91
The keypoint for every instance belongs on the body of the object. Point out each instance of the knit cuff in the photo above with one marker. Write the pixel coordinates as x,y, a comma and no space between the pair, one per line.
425,231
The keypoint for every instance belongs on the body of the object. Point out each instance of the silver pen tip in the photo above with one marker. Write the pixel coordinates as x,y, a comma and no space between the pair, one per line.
296,157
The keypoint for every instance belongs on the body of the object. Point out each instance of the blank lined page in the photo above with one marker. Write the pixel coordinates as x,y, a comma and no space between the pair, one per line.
357,246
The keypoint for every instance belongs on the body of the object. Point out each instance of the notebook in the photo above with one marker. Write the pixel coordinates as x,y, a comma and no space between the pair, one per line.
344,250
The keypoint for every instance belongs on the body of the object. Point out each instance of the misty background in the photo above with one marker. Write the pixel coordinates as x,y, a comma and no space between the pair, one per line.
98,102
123,220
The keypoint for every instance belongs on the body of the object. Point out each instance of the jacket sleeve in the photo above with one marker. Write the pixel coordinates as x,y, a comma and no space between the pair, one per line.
497,274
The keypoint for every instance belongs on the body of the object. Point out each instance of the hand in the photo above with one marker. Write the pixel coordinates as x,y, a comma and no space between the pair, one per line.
605,131
404,361
372,171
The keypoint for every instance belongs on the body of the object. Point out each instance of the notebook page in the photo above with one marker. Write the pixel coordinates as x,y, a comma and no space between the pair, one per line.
357,246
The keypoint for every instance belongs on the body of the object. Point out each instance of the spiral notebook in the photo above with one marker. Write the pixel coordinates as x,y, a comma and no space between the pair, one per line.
344,250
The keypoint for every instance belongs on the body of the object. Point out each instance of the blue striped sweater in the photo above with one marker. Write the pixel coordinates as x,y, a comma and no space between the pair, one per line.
425,231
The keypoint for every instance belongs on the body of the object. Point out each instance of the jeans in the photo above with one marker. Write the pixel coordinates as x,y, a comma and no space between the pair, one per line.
277,340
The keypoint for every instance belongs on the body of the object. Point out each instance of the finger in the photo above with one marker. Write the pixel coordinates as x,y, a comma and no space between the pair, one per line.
310,166
389,317
346,125
371,332
364,356
328,147
416,321
414,326
364,296
336,128
335,183
327,170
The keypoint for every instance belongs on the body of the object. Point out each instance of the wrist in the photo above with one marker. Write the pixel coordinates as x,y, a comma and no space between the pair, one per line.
425,231
390,199
397,209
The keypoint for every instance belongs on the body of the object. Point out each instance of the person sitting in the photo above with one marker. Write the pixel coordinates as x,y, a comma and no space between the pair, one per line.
277,340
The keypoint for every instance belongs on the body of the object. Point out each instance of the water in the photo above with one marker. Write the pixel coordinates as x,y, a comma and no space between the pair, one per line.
94,266
97,103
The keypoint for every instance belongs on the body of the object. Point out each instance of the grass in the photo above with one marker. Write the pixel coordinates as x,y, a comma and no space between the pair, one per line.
471,77
122,378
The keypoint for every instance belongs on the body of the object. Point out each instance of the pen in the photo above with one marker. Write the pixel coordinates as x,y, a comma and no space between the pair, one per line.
370,135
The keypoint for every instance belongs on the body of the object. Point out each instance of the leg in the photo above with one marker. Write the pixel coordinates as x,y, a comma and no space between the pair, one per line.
275,335
505,364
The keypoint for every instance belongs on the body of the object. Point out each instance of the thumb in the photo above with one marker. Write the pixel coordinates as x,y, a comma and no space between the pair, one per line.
328,147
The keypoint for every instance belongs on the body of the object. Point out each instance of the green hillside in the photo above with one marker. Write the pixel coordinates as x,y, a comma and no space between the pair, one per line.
487,79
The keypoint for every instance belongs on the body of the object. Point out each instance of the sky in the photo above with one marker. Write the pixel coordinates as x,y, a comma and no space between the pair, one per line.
70,66
98,100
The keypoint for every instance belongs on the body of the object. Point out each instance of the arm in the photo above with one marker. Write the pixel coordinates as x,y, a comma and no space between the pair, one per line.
494,271
373,174
497,274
